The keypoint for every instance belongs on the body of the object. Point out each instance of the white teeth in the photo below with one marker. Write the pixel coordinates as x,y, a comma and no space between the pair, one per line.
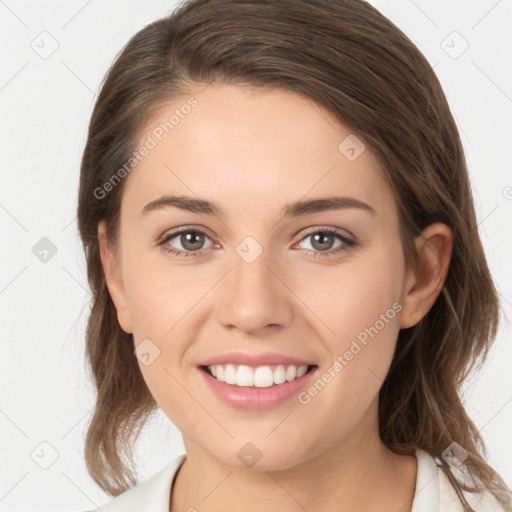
230,374
301,370
263,377
244,376
260,377
291,372
279,374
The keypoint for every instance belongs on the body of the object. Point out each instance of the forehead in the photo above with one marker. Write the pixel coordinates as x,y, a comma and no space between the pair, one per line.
249,149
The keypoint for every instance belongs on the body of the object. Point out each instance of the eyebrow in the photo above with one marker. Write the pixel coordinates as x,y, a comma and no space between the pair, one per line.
296,209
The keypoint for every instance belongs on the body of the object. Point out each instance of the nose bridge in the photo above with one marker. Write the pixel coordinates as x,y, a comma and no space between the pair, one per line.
252,296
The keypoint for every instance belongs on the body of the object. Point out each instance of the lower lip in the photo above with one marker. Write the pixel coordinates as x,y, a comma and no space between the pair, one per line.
252,398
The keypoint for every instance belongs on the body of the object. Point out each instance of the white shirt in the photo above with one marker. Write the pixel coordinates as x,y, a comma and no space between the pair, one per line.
434,492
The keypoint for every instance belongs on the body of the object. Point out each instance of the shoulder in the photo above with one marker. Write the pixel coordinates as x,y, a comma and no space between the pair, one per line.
151,495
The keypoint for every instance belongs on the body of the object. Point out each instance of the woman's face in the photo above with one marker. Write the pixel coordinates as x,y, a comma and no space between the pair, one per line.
266,276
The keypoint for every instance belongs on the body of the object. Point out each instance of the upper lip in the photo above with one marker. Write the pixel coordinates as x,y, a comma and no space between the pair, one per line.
248,359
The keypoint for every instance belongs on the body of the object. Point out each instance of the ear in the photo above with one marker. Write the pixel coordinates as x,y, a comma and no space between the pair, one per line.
113,276
422,286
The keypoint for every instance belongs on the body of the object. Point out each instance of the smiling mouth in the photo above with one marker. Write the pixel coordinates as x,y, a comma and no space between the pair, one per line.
258,377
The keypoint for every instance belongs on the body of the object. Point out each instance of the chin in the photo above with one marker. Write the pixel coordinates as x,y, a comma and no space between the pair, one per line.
260,456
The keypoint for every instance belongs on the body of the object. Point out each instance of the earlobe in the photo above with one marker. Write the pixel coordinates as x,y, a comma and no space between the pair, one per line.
423,285
113,278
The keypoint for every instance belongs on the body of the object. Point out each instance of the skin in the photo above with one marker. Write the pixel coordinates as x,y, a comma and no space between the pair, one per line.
252,152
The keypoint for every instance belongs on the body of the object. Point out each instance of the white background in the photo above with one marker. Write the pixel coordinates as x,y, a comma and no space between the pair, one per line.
46,104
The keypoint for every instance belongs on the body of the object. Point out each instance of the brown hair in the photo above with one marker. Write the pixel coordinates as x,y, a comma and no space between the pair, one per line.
348,58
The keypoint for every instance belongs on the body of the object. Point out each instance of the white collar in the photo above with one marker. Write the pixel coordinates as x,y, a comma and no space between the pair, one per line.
426,495
151,495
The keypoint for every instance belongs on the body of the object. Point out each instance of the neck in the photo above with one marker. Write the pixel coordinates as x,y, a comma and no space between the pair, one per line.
358,474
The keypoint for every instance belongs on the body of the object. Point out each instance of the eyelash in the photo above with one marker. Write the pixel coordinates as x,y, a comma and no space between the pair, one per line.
347,242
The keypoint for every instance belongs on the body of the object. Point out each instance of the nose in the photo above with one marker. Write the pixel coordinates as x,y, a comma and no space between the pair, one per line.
254,295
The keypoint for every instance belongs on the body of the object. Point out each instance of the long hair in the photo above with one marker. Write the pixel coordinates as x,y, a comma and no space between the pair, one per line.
350,59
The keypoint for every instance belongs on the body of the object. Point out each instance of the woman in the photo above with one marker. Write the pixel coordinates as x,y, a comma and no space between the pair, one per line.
284,256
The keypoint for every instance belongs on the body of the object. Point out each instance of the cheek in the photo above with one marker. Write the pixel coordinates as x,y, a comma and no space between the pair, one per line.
358,299
368,310
158,295
162,301
357,313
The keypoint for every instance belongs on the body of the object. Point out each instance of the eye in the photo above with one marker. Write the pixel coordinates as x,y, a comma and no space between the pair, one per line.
322,241
191,241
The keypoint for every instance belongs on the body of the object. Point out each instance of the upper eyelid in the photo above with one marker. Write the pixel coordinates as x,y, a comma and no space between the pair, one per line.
332,229
185,229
